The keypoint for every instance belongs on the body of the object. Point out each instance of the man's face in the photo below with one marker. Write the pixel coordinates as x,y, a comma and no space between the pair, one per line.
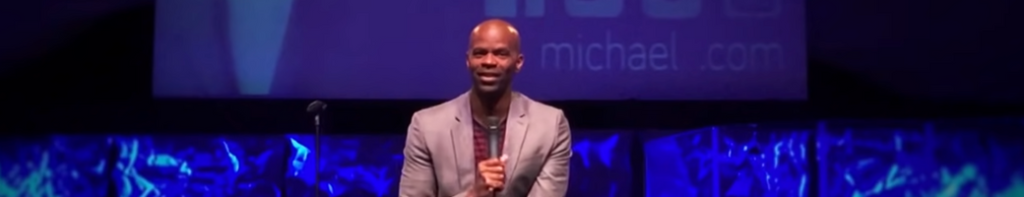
493,59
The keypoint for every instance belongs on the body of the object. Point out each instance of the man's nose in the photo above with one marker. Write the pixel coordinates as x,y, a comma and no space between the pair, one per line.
490,61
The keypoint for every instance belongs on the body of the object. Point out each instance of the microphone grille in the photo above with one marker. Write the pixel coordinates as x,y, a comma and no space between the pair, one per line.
493,122
316,107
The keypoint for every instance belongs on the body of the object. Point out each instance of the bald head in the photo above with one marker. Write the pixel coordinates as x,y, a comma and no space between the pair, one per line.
495,29
493,57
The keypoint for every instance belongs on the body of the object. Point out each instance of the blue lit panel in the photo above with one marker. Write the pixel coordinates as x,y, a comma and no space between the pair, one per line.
214,166
681,165
62,165
762,161
922,161
600,164
728,161
350,165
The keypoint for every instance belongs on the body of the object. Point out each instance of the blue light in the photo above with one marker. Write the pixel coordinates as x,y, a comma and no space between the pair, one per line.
917,160
858,160
600,165
728,161
348,165
681,164
62,165
854,159
198,165
584,148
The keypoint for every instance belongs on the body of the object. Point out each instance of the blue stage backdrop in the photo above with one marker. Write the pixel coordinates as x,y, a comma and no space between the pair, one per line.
349,165
600,164
574,49
855,158
942,159
63,165
199,165
745,160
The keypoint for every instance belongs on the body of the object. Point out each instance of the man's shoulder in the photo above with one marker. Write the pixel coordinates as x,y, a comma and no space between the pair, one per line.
537,107
547,116
447,109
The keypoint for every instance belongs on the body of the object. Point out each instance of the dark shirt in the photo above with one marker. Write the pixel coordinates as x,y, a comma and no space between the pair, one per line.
480,148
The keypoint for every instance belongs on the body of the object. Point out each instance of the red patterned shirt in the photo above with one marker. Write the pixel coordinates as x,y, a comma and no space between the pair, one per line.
480,148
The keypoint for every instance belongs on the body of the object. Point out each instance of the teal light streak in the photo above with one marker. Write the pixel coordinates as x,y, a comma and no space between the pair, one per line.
234,159
300,157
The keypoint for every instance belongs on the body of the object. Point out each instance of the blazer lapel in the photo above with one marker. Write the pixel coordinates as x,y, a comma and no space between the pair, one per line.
462,143
516,133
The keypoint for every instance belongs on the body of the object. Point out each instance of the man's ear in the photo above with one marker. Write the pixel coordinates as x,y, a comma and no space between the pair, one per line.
467,59
519,62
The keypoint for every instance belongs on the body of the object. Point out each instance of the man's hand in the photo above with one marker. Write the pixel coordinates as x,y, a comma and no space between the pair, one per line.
492,172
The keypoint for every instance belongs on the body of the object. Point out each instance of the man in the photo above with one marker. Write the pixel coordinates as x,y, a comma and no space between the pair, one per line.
446,150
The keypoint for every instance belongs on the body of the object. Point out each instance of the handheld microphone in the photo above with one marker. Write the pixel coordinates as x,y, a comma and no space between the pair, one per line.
316,107
493,130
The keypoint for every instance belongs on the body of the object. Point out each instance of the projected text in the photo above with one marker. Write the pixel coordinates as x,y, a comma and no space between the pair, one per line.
665,55
610,55
742,56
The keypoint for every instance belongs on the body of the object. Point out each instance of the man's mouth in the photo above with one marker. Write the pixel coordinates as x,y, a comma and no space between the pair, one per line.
488,78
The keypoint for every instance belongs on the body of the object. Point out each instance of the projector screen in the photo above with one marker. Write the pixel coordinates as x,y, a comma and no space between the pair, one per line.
416,49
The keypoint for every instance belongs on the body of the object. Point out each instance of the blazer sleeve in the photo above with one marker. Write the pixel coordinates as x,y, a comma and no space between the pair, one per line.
553,180
418,178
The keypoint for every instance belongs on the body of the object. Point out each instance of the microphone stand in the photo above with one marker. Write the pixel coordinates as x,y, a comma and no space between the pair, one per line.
316,144
317,107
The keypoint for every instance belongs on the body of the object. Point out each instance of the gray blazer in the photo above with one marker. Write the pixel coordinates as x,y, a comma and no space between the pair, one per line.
439,159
